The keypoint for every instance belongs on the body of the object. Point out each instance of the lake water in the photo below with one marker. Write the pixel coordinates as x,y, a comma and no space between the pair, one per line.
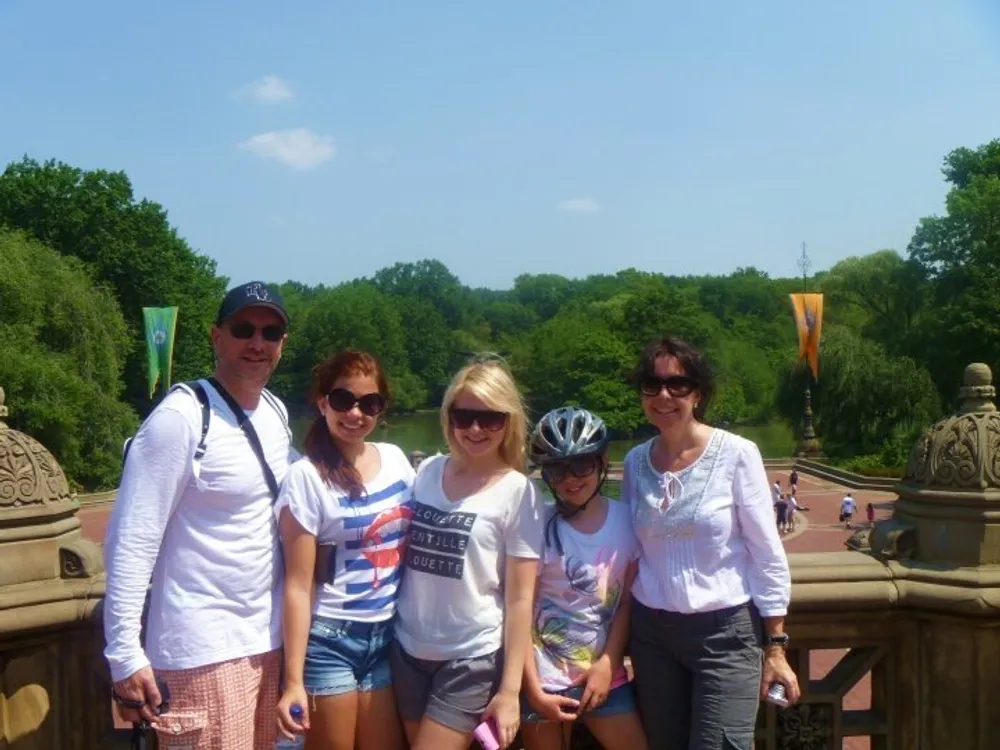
422,431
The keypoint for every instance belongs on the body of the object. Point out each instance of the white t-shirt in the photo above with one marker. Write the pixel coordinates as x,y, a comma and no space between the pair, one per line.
451,604
776,493
365,536
847,506
578,594
204,530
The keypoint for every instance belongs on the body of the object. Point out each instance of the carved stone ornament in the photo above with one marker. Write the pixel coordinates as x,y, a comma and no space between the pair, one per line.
962,451
892,539
806,726
29,474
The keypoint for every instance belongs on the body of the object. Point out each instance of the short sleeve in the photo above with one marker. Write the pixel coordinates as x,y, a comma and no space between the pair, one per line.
523,534
301,493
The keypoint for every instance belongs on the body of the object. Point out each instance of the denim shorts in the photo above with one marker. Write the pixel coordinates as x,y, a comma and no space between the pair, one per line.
620,700
344,656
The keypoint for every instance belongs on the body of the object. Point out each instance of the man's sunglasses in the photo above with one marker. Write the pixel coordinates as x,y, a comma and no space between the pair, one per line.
580,467
463,419
677,386
341,399
244,330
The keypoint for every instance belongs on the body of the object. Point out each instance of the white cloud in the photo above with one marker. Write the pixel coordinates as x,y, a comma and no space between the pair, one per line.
266,90
298,148
578,206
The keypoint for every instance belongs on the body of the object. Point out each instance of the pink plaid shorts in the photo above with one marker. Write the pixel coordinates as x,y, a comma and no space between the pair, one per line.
224,706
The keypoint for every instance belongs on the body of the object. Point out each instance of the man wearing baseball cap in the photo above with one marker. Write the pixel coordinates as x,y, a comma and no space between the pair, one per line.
193,523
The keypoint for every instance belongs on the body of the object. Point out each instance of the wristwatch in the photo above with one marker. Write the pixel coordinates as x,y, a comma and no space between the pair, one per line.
781,639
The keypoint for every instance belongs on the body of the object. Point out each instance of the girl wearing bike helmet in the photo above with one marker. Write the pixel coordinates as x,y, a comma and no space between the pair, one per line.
581,612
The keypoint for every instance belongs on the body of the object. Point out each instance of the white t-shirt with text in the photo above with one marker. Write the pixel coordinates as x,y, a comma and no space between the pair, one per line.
451,605
362,538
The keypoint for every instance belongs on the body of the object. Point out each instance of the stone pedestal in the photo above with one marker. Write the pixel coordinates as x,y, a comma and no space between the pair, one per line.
54,690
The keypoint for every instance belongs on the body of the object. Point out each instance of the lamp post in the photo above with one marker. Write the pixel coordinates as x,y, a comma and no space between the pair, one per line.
808,443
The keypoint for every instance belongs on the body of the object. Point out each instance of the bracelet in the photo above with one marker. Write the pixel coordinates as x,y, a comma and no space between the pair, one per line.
127,702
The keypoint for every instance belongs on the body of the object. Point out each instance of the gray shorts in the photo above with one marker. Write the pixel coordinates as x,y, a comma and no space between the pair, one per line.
454,693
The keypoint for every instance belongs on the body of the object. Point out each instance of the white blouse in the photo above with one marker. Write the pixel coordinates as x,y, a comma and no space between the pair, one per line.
707,534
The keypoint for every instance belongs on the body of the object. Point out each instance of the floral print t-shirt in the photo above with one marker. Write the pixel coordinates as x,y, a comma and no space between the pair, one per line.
578,594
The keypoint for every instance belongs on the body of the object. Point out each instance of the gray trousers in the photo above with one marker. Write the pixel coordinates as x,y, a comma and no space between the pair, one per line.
697,676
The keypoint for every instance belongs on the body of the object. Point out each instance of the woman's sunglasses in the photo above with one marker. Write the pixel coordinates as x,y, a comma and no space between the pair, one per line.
244,330
463,419
341,399
580,467
677,386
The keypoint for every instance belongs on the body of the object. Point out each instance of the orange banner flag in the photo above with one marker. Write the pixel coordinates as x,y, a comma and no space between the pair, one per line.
809,320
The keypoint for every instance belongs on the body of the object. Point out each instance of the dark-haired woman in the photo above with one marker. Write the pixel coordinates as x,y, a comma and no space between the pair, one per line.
343,515
713,584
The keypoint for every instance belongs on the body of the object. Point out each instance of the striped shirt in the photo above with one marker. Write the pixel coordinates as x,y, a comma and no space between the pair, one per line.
360,541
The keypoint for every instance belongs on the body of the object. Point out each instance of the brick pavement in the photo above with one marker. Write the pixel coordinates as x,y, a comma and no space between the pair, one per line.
820,531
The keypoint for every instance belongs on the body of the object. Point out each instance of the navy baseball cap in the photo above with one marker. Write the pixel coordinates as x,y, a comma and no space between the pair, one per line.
251,294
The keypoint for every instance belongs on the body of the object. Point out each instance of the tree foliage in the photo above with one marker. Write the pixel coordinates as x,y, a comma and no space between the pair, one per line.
61,341
899,329
127,244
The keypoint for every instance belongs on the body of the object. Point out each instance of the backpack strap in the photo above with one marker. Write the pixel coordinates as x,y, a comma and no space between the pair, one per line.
196,389
247,426
276,405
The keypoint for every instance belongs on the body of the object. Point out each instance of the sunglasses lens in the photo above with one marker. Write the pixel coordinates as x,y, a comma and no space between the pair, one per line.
679,386
272,333
341,399
555,473
463,419
650,386
242,330
371,404
583,467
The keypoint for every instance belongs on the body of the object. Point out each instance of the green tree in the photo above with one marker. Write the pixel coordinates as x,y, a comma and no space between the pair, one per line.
129,245
61,339
431,281
574,359
960,255
867,402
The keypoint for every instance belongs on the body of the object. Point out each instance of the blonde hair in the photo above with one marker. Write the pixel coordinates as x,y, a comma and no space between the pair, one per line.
492,383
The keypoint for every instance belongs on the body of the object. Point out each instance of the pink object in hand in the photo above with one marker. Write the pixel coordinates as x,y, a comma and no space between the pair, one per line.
486,735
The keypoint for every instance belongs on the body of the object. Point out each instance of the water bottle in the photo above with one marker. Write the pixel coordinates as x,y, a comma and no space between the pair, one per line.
300,740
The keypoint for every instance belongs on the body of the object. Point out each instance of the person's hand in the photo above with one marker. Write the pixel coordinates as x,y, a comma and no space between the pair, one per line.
505,710
554,707
294,695
138,697
777,669
596,684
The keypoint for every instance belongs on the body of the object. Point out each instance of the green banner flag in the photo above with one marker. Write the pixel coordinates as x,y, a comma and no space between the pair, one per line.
161,324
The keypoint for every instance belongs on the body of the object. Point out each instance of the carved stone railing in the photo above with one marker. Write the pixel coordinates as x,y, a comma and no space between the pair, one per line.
53,681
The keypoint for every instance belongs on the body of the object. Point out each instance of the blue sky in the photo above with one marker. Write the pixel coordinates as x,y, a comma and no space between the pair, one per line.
321,141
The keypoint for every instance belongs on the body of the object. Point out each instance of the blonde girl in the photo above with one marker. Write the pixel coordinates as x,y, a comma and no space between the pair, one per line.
464,622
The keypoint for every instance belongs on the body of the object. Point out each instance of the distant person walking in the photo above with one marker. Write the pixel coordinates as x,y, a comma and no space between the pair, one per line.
870,513
194,514
782,510
793,481
847,508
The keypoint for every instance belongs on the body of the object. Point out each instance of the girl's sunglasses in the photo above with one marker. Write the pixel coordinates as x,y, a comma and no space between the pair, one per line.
244,330
677,386
580,467
463,419
341,399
